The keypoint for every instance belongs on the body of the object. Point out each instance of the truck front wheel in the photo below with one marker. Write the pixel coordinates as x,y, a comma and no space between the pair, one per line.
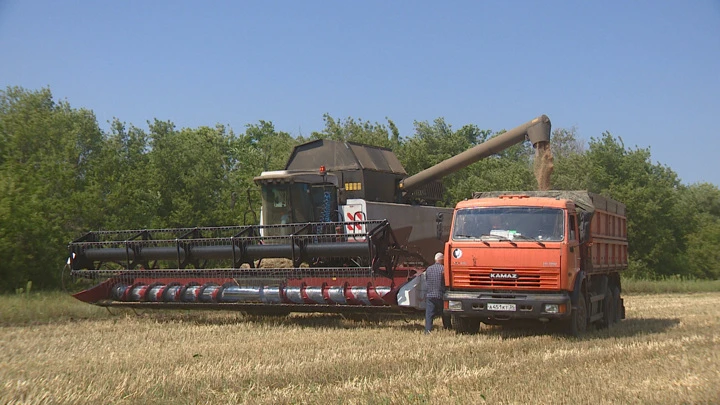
465,326
577,324
447,321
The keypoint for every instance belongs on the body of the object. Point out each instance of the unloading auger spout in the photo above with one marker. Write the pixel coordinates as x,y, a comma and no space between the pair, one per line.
536,130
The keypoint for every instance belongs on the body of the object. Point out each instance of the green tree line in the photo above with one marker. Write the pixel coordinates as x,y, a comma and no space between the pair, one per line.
61,175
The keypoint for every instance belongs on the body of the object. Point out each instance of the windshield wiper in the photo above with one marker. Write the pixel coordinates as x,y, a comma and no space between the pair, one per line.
477,237
529,238
499,237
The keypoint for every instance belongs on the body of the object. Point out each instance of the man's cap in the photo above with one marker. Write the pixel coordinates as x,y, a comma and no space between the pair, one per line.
439,256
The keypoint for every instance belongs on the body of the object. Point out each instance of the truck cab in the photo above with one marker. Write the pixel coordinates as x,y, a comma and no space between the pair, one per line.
522,256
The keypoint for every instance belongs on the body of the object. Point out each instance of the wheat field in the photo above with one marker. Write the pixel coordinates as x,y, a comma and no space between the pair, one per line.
667,351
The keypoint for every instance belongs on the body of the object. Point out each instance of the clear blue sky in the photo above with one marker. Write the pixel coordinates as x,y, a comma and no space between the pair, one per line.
647,71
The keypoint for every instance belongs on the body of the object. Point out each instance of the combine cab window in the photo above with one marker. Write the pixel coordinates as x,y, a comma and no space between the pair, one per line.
298,203
544,224
277,208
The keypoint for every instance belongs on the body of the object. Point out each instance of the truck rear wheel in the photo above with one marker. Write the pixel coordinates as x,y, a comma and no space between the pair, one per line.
608,308
577,324
465,326
618,304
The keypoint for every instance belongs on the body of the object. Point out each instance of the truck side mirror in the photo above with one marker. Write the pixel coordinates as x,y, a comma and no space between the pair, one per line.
572,235
439,225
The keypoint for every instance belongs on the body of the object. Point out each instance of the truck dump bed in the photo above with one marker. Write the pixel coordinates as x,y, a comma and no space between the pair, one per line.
602,226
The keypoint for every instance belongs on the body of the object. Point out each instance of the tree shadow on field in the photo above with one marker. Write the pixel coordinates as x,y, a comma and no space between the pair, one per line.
626,328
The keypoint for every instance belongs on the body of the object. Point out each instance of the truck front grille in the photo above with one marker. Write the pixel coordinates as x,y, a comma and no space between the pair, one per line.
541,279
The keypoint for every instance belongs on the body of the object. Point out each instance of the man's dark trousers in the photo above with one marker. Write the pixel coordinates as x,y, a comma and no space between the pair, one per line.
433,308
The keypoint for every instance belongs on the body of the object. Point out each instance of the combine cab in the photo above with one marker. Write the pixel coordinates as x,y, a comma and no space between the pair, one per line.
342,229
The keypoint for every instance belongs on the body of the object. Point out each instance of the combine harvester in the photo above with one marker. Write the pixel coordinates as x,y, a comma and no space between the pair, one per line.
355,227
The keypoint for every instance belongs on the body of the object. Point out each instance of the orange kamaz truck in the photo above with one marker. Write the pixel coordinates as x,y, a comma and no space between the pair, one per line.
550,256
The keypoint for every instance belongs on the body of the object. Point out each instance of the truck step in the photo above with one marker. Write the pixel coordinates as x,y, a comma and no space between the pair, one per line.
596,317
596,298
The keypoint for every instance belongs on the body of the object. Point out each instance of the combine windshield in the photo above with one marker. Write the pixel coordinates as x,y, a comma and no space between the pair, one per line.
298,202
542,224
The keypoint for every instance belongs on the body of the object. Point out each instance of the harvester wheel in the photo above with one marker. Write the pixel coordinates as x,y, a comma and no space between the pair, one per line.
577,324
465,326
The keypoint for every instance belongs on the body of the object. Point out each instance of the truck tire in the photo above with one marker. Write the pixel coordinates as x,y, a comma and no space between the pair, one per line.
447,321
465,326
577,324
618,303
608,308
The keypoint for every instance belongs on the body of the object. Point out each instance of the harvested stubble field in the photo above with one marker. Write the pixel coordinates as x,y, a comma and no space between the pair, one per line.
667,351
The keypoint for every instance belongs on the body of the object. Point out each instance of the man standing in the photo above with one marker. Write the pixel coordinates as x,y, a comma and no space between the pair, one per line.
434,287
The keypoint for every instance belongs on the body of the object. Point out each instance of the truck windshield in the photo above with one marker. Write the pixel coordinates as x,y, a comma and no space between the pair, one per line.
532,223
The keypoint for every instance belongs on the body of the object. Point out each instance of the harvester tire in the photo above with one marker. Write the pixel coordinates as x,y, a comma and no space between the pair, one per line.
465,326
577,324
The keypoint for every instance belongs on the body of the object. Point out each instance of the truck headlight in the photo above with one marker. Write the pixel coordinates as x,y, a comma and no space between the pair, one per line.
454,305
552,308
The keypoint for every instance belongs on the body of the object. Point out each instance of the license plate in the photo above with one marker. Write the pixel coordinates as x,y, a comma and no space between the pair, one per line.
501,307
